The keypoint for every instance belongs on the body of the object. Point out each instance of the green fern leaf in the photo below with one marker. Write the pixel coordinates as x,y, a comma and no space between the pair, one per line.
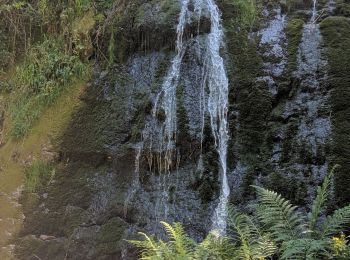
181,242
278,215
336,223
321,199
301,249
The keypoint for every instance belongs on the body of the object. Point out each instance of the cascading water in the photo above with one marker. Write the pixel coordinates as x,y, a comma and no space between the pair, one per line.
310,61
169,87
213,99
136,179
314,12
314,128
218,107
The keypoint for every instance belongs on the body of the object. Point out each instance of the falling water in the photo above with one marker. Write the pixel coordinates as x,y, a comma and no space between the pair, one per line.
136,179
218,106
169,86
311,98
314,12
213,96
313,129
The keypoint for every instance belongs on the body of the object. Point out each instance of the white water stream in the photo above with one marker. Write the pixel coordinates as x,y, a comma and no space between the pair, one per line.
213,99
218,107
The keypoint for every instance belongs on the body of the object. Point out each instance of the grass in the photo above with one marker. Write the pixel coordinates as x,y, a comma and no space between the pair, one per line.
39,173
46,72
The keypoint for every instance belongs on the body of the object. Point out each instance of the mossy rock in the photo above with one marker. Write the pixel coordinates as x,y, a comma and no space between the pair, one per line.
336,34
73,217
108,240
288,186
294,33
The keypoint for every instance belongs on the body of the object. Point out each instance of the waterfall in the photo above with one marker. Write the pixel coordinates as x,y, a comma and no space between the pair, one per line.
213,99
169,87
136,179
217,107
314,12
311,98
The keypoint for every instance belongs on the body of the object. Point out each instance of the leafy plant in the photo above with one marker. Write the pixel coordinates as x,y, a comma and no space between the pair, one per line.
39,80
246,12
278,230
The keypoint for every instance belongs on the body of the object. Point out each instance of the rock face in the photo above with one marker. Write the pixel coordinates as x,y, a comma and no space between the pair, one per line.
287,77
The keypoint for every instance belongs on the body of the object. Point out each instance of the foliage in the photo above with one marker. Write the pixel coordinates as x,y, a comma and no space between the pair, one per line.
24,23
246,12
38,81
38,173
277,231
180,246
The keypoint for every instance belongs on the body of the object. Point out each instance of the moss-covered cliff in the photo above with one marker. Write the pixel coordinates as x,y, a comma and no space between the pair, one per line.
98,180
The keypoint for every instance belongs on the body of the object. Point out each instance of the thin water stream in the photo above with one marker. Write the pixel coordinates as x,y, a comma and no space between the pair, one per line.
212,100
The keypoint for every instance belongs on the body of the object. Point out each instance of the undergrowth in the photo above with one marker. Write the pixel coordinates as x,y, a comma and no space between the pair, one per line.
46,71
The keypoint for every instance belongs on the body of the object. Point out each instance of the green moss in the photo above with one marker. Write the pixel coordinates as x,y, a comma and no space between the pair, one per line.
294,32
289,187
294,5
31,246
342,8
182,118
336,34
109,237
73,218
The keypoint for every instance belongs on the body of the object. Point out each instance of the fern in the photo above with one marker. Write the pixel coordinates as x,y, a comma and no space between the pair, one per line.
149,247
264,248
181,242
336,223
215,247
246,233
321,199
304,249
252,244
278,215
277,232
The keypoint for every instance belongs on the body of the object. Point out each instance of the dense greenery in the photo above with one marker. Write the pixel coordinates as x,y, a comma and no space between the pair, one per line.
276,230
38,81
45,46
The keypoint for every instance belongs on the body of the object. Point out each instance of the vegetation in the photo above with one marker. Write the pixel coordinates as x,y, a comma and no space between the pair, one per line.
277,230
39,80
46,46
294,32
245,12
37,174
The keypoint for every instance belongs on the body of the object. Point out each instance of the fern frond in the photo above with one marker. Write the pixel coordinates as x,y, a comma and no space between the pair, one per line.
215,247
278,215
149,247
304,249
264,248
248,234
321,199
181,242
336,223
